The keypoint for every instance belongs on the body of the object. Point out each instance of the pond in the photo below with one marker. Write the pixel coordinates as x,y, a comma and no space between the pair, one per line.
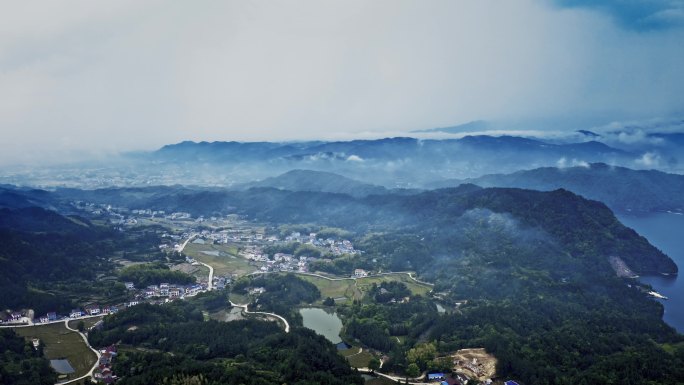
323,322
62,366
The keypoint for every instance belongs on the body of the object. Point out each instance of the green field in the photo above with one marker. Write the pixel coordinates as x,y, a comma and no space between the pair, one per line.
380,381
357,357
87,322
227,262
355,289
62,343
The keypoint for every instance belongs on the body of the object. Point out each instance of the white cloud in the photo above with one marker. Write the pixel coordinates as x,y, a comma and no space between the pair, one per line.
649,159
91,76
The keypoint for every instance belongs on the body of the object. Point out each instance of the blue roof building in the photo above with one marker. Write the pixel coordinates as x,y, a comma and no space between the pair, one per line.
510,382
435,376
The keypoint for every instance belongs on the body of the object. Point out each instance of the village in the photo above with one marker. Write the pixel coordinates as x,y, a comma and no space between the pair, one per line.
250,243
213,230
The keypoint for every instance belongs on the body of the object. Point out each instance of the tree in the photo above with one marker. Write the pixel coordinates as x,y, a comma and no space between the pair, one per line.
80,326
422,354
374,364
329,301
413,370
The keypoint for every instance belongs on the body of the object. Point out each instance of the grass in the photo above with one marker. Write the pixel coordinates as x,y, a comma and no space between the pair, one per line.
357,357
380,381
87,322
356,289
334,289
415,287
227,262
62,343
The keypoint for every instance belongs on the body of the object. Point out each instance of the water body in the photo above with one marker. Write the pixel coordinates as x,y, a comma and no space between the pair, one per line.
62,366
325,323
666,232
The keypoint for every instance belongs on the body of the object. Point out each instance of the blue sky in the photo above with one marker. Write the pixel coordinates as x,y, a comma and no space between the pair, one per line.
639,15
79,77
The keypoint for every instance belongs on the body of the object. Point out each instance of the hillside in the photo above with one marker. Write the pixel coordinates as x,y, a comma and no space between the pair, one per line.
317,181
584,228
524,264
392,162
621,188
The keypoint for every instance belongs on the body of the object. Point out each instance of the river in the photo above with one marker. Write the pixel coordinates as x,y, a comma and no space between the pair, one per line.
666,232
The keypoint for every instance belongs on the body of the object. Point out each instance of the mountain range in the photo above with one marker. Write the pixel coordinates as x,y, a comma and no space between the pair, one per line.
621,188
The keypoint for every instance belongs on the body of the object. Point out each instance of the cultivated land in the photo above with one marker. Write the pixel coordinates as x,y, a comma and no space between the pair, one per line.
357,357
61,343
223,258
348,289
87,322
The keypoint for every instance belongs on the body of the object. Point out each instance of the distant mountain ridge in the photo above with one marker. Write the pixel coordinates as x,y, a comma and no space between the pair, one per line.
568,217
317,181
387,148
392,162
621,188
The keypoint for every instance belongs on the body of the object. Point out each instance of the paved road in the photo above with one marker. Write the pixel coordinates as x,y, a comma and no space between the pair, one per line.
410,275
97,353
31,324
414,381
287,325
186,242
210,284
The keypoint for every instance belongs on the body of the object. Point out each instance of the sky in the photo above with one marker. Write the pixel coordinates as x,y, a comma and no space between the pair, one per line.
82,77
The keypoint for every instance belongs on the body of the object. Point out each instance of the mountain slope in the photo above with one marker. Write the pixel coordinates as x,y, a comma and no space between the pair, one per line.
620,188
318,181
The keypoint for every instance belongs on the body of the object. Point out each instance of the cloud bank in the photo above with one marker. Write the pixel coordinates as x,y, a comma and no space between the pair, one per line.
85,77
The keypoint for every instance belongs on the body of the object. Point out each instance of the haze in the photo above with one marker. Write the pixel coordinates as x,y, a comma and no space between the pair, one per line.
82,78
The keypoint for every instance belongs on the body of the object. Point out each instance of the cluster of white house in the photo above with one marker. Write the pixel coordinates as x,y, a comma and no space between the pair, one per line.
173,291
335,246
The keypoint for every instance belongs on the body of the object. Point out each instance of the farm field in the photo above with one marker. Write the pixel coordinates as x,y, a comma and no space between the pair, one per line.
355,289
223,258
61,343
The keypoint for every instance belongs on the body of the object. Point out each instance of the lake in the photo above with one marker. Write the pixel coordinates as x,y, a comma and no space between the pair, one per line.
666,232
325,323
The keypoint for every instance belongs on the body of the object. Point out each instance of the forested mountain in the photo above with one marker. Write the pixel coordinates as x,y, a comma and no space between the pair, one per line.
582,226
318,181
385,149
42,248
391,162
530,269
620,188
176,343
21,364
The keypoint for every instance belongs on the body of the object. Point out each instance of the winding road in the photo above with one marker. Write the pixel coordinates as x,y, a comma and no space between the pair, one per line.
97,353
244,307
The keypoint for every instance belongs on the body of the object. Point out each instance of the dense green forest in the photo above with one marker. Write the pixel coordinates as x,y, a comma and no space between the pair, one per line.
283,294
620,188
154,274
238,352
21,364
526,274
49,259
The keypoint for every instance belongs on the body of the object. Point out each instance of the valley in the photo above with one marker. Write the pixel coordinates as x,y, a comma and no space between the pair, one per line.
396,288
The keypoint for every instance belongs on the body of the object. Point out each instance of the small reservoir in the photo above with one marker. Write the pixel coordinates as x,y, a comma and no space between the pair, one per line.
323,322
62,366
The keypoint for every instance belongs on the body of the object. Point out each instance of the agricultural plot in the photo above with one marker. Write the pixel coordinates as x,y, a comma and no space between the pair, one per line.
61,343
349,289
223,258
